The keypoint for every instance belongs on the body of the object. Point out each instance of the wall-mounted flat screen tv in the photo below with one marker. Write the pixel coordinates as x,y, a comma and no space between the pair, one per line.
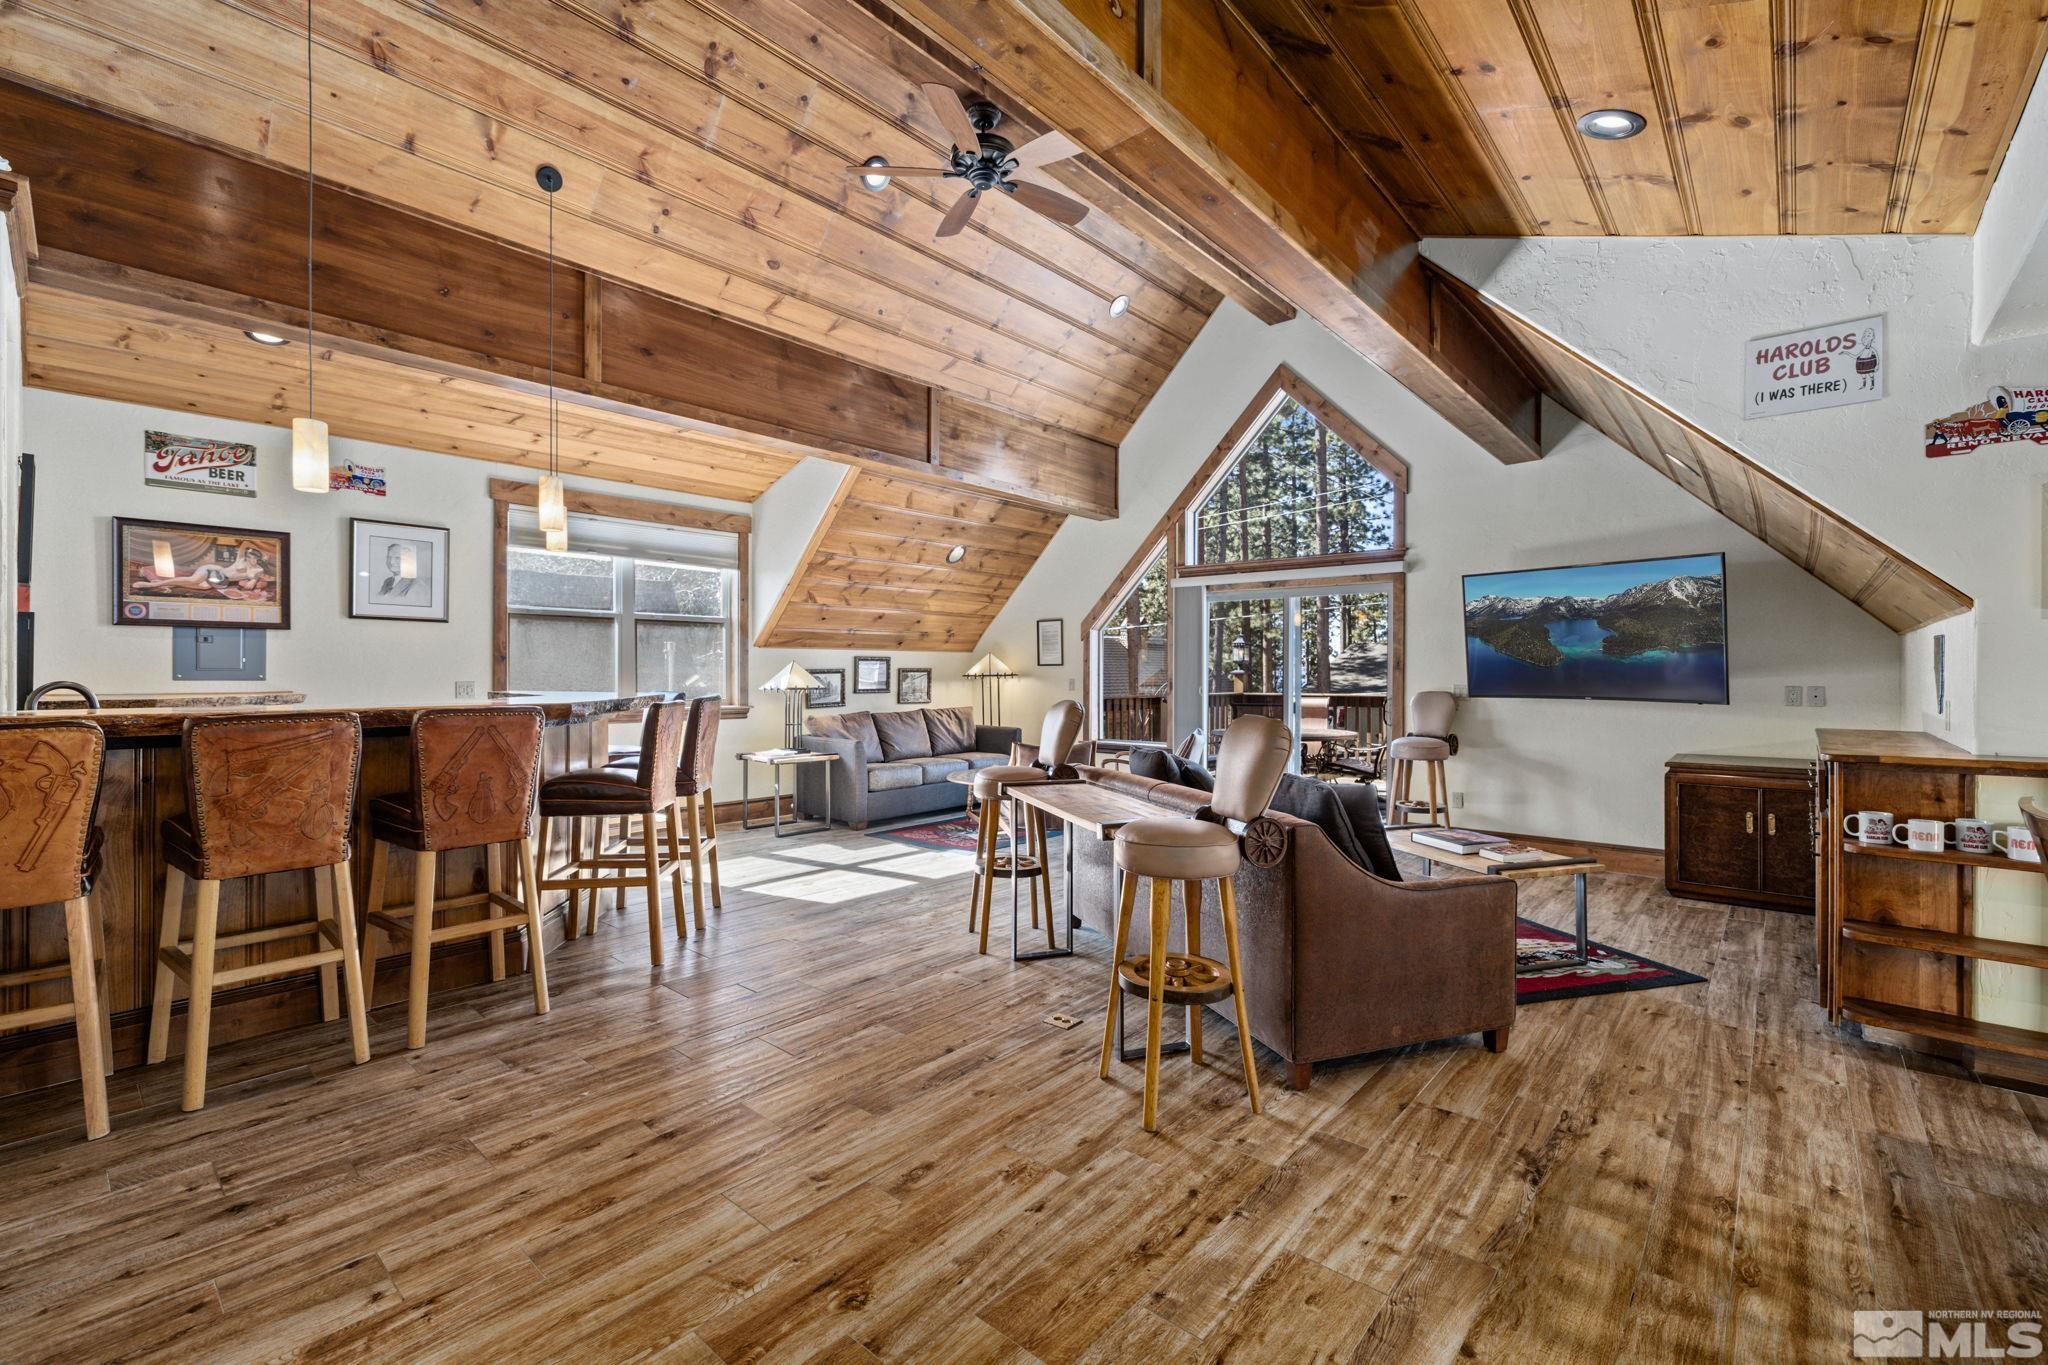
1634,630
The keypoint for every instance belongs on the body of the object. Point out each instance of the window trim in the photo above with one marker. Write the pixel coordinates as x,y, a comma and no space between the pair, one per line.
509,493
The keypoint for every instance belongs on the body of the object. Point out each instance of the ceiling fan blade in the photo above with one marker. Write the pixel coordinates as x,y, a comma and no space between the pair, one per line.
957,216
1043,150
898,172
952,114
1051,203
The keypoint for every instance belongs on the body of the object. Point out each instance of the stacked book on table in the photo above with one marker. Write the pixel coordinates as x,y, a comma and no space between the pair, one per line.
1471,843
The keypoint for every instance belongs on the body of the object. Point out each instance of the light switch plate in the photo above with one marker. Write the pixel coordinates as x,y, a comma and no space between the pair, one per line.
1795,695
1816,696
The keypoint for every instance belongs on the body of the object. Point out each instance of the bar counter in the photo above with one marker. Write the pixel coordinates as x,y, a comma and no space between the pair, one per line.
144,783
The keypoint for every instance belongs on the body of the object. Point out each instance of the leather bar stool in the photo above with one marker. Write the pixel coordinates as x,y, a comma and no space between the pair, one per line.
645,792
474,774
1429,741
693,819
49,854
1254,753
1027,857
263,795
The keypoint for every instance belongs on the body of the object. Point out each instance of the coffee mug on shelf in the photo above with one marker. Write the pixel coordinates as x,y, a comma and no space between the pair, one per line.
2017,842
1924,836
1869,826
1973,836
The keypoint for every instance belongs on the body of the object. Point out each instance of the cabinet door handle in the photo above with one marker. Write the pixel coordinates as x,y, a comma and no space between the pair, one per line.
1749,822
1770,824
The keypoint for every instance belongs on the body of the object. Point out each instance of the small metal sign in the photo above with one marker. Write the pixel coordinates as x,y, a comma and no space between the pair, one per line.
1815,367
197,462
2008,413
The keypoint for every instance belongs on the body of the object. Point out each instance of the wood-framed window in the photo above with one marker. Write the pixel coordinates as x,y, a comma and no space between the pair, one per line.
1130,656
1296,483
651,597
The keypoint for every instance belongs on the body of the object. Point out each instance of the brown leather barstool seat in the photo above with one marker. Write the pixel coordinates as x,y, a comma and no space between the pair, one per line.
263,795
1254,753
644,793
473,778
49,855
1027,857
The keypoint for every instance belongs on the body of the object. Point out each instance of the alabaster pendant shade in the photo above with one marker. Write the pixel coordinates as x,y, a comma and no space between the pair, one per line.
553,509
309,455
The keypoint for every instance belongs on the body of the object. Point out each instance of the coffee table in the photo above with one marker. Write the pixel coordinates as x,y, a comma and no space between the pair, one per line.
1403,841
775,763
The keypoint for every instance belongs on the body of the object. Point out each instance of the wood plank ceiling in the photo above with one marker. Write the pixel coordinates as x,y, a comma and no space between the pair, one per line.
875,574
1766,116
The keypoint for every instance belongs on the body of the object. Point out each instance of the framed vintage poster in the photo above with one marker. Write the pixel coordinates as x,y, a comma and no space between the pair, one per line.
1052,642
913,686
397,571
200,463
870,674
173,573
831,688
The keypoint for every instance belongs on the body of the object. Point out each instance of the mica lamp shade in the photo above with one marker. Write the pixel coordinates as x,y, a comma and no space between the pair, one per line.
989,666
309,455
991,673
792,678
794,682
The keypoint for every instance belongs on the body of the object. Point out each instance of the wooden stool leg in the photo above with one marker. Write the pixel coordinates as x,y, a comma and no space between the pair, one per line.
169,930
354,999
85,1010
1436,772
650,856
536,955
1036,854
604,829
494,882
696,856
991,832
1045,876
576,869
672,821
1191,904
1126,903
974,886
1228,890
99,958
374,937
423,864
323,908
711,843
199,995
1155,1000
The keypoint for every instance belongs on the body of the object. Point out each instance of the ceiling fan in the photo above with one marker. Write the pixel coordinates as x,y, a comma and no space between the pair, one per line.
986,161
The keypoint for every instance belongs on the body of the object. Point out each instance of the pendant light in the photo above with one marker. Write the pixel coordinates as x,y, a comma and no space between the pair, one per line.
554,505
309,433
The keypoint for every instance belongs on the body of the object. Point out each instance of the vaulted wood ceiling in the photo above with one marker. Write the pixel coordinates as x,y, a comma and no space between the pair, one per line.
1766,116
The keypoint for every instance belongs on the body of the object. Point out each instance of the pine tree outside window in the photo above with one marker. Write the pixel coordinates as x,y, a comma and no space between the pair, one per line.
1134,660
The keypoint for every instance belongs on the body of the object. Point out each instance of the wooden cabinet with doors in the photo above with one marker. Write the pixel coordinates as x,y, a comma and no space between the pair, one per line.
1740,829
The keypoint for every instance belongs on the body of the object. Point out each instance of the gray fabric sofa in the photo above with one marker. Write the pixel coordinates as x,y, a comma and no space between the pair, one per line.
895,763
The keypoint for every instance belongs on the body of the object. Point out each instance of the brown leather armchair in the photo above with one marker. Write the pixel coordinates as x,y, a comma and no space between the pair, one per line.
1337,961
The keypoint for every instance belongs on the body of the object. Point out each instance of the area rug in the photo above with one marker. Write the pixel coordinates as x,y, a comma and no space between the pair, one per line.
1608,971
953,832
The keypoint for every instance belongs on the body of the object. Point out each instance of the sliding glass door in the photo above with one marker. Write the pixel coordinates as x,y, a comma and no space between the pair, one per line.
1322,662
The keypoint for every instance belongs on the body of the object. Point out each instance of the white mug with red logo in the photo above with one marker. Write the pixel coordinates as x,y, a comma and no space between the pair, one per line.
1923,836
1870,826
1973,836
2017,842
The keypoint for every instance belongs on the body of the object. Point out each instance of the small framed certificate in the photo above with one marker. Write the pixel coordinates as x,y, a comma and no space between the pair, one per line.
1052,642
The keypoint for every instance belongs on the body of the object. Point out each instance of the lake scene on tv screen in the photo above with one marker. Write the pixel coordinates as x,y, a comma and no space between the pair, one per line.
1642,630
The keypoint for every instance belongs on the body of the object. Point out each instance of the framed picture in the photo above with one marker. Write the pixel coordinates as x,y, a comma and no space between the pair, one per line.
913,686
173,573
831,688
870,675
1052,642
397,572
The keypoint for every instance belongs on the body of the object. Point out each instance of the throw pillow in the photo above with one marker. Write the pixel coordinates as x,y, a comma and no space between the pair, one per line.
1347,814
903,734
1163,766
857,725
952,729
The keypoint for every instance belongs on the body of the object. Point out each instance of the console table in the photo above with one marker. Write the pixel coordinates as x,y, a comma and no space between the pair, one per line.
1739,829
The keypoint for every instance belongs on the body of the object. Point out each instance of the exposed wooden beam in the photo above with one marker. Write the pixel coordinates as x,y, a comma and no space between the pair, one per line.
621,508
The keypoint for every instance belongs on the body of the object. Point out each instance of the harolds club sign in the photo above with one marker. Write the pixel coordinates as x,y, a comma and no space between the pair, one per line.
1816,367
196,462
2006,414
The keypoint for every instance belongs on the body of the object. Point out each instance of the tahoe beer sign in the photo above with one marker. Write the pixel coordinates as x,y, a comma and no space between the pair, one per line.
1815,367
196,462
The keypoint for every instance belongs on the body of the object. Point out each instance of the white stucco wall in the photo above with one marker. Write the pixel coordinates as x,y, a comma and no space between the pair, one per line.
2009,256
1591,770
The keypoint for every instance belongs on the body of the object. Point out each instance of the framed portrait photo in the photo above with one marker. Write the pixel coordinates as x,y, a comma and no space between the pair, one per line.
831,688
913,686
1052,642
173,573
397,571
870,675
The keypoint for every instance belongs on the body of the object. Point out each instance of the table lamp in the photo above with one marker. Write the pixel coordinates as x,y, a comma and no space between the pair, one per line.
991,673
795,684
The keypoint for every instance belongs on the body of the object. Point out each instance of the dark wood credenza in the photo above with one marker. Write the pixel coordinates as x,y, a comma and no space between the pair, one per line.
1739,829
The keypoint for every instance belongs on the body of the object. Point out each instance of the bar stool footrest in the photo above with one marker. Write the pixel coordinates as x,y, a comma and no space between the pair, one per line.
1190,980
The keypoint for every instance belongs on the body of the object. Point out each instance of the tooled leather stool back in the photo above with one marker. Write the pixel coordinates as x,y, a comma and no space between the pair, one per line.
49,794
661,749
700,745
266,794
474,774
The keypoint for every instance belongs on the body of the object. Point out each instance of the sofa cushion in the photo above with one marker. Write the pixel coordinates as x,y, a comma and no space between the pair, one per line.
1348,813
977,759
856,725
903,734
1164,766
937,769
895,775
951,728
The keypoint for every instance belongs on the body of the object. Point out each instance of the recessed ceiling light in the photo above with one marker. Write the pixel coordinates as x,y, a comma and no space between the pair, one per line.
956,554
875,182
1120,305
1612,125
265,338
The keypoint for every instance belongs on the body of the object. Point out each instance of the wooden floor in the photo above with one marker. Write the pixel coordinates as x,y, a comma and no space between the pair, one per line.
829,1129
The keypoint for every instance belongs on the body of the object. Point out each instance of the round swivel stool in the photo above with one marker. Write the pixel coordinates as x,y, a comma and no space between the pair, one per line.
1026,858
1402,756
1254,753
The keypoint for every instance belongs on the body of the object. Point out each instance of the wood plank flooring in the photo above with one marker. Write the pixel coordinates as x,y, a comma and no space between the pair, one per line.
831,1131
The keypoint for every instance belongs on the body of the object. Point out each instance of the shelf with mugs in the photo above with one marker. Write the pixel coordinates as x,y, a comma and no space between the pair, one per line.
1955,857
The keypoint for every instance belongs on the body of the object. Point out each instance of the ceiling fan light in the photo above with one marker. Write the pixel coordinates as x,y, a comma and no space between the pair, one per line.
875,182
265,338
1120,305
1611,125
309,455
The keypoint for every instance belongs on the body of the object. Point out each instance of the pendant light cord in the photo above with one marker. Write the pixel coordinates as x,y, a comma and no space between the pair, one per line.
554,422
309,208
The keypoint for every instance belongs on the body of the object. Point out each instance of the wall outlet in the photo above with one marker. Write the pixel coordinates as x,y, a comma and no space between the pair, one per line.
1816,696
465,691
1457,800
1795,695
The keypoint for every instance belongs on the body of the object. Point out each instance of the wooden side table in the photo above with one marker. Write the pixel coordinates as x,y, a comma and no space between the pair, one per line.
775,763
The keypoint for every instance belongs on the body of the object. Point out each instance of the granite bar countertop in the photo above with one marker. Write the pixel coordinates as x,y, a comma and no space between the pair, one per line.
175,701
560,708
